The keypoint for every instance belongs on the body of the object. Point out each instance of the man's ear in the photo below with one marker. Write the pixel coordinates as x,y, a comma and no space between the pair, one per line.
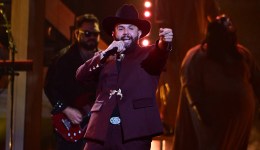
76,33
113,33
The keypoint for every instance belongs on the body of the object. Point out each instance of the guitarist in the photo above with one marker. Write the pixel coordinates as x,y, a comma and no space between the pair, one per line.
69,98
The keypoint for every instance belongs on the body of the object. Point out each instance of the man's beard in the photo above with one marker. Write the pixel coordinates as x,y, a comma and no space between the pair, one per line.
133,43
89,45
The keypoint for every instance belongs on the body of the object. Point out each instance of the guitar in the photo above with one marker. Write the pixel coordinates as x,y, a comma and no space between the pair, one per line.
69,131
62,124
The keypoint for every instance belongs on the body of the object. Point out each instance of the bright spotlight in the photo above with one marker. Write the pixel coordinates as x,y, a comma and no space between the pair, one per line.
147,14
145,42
147,4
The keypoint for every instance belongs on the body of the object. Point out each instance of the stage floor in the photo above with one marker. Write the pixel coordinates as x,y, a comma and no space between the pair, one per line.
48,140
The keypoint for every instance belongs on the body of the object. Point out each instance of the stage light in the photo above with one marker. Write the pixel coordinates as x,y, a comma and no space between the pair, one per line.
147,13
145,42
147,4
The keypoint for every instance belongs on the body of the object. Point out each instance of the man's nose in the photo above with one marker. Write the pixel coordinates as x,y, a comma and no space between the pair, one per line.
126,31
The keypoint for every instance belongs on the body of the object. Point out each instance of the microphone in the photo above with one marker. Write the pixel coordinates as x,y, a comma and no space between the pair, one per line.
108,53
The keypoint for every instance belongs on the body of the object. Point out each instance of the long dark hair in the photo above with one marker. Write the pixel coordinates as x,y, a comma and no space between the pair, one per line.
221,39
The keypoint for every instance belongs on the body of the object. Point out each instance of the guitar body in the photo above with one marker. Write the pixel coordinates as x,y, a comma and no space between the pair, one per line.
69,131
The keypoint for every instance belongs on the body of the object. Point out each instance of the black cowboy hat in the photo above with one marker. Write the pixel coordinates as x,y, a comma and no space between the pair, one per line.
126,14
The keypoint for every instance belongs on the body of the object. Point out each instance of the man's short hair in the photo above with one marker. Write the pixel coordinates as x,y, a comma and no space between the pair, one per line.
85,18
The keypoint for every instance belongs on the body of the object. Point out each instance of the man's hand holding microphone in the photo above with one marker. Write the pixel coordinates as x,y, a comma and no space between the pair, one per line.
115,48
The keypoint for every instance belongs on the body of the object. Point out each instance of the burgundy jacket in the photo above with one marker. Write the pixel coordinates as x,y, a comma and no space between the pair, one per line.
137,79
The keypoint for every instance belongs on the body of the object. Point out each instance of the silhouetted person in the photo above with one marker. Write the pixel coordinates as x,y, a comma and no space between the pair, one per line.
220,84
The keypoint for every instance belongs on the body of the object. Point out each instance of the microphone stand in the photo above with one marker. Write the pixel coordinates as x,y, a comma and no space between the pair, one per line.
10,71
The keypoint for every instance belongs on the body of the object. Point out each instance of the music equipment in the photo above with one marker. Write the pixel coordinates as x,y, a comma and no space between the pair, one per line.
69,131
107,54
63,126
